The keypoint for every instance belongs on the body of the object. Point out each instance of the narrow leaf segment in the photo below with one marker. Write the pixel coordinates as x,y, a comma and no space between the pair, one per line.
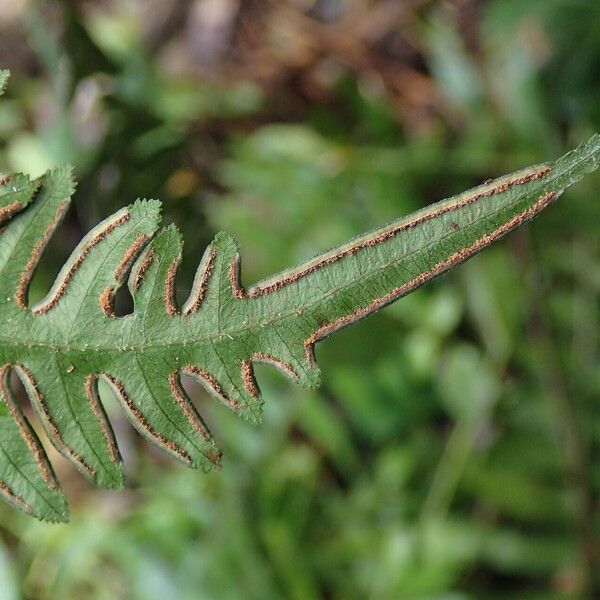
62,346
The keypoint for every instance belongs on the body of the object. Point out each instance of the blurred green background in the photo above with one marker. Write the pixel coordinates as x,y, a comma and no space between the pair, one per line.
453,450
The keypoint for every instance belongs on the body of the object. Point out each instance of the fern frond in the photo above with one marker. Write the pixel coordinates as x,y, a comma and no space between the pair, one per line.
63,345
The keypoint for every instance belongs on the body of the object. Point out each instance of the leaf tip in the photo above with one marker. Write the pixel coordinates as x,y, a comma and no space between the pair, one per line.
55,510
112,478
61,180
168,237
225,241
61,514
150,208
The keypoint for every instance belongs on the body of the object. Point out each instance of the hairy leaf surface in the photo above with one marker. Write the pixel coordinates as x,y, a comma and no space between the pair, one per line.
62,346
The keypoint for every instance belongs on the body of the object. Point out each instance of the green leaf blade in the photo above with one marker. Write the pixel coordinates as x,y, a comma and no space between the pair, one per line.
64,345
362,276
27,480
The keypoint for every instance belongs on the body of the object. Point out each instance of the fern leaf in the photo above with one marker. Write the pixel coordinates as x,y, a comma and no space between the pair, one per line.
62,346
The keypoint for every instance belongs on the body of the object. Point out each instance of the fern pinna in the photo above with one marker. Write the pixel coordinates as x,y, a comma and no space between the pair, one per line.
61,346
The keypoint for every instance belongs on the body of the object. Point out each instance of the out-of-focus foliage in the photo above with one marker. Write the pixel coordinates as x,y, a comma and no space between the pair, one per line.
452,452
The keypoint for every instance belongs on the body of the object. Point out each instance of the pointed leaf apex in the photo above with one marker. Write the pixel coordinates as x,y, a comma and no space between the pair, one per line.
62,179
225,241
169,236
59,514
